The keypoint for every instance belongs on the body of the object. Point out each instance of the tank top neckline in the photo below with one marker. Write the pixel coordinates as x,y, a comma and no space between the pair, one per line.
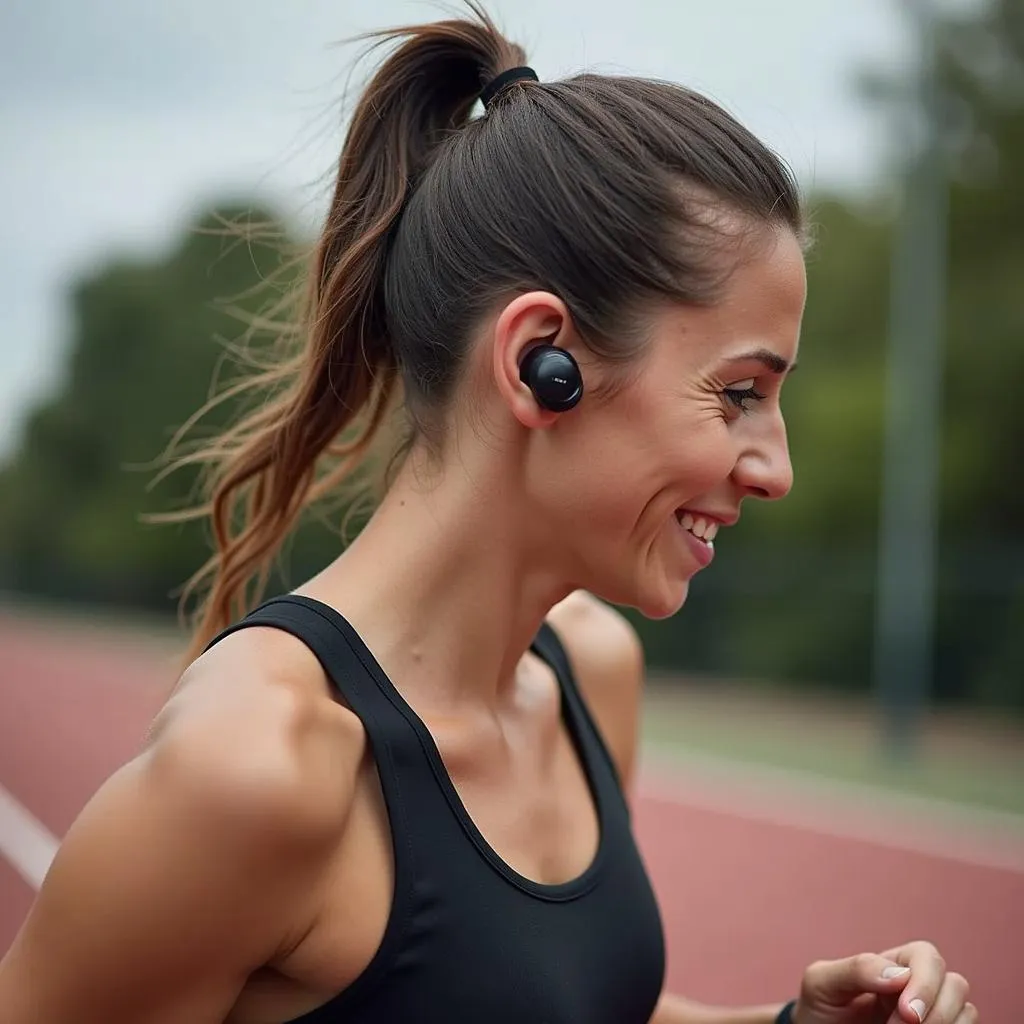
572,717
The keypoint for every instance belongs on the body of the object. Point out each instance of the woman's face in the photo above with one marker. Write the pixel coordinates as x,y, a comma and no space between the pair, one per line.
671,456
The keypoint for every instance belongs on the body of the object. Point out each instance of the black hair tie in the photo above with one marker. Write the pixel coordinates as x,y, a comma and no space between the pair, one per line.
496,84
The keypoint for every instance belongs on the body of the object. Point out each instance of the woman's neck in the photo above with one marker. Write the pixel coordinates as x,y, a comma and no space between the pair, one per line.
449,581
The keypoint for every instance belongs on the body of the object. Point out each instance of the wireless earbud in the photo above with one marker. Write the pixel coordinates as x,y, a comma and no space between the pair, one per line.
553,376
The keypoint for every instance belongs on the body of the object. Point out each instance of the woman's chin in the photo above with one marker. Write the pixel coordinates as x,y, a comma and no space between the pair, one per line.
665,604
653,599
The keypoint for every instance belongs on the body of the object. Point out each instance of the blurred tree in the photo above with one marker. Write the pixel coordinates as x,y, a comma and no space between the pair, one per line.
144,356
982,608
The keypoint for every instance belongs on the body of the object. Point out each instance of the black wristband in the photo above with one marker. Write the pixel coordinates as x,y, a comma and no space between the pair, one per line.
786,1013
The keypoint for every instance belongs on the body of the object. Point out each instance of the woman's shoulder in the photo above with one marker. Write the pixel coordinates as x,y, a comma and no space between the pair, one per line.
608,662
203,857
253,723
590,625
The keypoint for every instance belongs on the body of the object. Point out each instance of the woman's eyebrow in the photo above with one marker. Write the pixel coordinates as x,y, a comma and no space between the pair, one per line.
772,361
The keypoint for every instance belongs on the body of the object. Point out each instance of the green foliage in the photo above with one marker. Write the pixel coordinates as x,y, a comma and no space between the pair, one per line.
791,594
150,340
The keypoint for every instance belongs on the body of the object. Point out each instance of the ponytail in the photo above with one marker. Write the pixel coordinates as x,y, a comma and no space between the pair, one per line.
329,401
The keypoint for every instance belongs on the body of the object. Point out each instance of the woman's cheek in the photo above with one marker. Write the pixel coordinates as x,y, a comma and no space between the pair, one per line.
706,460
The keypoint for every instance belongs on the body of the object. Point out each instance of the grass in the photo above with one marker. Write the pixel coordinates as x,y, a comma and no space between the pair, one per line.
960,758
147,627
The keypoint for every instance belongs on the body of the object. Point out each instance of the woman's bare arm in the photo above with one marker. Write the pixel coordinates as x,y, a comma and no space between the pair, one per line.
193,865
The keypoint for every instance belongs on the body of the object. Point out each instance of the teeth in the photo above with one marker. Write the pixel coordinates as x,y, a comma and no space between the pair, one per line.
705,529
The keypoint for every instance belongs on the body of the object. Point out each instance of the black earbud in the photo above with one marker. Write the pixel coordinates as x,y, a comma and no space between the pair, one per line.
553,376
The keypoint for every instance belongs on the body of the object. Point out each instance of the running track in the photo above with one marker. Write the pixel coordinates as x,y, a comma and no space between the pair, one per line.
756,879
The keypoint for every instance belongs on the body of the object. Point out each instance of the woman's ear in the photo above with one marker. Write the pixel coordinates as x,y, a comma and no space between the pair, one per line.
529,320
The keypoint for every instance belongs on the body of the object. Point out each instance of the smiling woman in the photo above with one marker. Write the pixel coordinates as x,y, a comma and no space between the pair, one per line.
401,792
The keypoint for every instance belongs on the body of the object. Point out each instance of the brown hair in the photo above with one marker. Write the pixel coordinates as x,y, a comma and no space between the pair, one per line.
595,188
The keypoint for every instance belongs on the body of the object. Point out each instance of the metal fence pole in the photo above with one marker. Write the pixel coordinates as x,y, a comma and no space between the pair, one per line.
909,513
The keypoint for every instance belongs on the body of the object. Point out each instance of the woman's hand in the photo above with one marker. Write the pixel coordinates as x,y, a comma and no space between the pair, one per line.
905,985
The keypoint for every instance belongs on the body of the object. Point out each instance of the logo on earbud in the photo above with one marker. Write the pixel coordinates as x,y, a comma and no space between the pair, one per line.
554,378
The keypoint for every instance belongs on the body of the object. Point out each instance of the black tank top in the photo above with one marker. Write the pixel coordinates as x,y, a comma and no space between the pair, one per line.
468,939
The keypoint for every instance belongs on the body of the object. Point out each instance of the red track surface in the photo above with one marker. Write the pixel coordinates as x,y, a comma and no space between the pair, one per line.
747,903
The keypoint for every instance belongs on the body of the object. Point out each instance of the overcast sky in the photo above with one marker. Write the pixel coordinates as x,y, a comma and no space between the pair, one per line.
119,117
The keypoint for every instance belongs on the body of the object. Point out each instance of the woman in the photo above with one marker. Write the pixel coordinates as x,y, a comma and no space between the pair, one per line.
591,295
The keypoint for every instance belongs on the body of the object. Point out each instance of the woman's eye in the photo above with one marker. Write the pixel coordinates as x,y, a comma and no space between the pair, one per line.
742,392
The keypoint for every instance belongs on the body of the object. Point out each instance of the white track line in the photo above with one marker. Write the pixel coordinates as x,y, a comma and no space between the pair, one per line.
840,810
25,842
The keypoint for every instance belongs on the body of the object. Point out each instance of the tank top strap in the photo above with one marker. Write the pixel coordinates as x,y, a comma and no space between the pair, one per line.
549,648
303,618
395,746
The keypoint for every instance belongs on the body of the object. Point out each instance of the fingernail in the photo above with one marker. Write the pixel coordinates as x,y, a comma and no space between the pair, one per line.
917,1005
894,972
